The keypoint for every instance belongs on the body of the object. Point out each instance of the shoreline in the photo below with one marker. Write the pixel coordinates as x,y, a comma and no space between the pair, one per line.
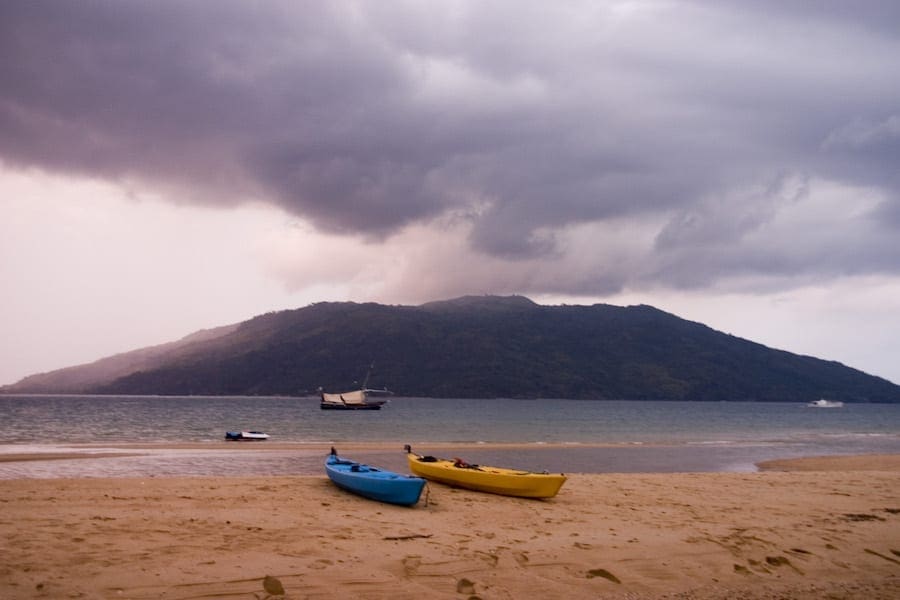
76,449
831,532
388,451
844,463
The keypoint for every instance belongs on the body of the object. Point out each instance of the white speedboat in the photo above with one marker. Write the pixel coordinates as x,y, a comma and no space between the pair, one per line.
823,403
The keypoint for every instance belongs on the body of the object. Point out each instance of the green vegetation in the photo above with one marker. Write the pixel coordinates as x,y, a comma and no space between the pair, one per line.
483,347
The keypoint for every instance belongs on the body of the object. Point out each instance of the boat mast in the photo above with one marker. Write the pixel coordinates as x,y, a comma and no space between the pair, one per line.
365,384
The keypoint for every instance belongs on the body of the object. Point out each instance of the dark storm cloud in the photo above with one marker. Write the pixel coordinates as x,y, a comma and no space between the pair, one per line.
881,16
522,118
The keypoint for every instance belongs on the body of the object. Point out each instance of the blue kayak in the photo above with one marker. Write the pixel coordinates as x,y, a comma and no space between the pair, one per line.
374,483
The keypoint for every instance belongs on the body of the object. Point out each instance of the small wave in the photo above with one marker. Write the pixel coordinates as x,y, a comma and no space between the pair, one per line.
30,449
850,435
713,443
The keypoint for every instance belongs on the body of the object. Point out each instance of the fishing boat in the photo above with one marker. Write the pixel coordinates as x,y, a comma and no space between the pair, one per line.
365,398
371,482
495,480
246,436
823,403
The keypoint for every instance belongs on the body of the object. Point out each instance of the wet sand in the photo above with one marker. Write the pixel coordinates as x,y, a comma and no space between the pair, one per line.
831,532
37,456
244,459
868,462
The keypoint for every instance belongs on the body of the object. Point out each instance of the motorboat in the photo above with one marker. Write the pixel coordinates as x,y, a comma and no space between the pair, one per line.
246,436
823,403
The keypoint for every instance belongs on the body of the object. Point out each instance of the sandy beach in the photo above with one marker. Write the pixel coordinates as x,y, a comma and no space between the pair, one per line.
809,528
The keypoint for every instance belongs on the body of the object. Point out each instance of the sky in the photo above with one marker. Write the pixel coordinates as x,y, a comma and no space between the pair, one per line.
172,166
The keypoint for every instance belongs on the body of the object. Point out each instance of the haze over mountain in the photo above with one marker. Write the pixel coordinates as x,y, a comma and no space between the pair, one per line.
472,347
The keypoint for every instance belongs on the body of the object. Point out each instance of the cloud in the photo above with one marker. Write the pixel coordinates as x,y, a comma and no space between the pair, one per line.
720,132
91,269
790,234
863,134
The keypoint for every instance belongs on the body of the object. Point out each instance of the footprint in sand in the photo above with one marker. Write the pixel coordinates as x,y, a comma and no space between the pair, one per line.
778,561
862,517
322,563
411,564
464,586
604,574
757,566
583,546
273,586
880,555
521,558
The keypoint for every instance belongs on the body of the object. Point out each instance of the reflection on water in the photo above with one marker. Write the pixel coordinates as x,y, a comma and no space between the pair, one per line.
101,419
163,462
168,463
645,436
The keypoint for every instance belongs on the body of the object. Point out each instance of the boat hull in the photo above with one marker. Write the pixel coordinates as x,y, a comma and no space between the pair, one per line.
245,436
494,480
373,483
826,404
334,406
356,400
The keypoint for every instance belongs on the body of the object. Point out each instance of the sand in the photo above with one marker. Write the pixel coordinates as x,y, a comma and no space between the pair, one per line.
832,532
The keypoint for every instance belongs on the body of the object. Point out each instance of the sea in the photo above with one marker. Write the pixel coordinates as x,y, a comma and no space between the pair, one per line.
153,436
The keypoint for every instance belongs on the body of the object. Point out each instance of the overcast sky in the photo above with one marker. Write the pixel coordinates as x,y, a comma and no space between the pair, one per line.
172,166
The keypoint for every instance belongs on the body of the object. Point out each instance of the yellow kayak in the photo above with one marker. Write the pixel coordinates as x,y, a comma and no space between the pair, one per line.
496,480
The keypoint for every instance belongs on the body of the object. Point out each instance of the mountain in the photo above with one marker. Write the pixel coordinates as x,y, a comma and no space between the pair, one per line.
471,347
84,378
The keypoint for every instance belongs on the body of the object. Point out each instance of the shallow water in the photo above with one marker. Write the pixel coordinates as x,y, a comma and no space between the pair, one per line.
560,435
